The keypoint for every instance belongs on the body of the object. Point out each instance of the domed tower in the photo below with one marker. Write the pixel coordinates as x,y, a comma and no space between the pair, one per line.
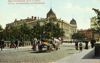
51,15
73,22
74,25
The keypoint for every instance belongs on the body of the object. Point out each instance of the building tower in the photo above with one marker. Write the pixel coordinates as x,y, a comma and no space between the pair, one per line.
51,15
74,25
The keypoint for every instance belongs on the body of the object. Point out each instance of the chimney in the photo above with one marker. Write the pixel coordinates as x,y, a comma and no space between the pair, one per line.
35,18
32,17
15,19
27,17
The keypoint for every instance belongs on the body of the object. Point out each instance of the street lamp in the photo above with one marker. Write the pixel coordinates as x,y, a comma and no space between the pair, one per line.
62,29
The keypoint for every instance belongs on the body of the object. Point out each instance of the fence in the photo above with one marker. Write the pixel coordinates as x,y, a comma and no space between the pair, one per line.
24,43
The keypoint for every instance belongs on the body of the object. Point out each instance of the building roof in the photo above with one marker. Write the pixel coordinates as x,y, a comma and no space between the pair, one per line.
51,14
73,22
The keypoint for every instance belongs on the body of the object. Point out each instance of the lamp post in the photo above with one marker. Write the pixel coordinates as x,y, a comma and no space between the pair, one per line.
62,29
51,28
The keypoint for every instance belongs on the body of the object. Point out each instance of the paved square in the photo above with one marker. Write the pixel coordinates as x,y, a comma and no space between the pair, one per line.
26,55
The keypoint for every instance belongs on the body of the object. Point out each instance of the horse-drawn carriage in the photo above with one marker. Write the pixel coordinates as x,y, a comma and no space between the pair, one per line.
46,45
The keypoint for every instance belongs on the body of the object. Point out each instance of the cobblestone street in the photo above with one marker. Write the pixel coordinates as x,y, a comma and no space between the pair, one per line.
26,55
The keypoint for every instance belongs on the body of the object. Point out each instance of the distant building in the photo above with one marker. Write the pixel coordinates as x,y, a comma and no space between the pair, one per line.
88,33
69,29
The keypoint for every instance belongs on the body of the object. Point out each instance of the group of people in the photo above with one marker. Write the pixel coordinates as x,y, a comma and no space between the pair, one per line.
79,45
49,44
12,44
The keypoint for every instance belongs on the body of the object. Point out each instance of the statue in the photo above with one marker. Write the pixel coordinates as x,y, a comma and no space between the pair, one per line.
96,10
98,15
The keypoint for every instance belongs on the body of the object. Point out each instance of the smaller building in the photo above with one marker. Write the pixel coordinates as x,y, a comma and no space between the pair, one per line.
88,34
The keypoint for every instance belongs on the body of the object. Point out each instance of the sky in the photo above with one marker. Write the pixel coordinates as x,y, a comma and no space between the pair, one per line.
80,10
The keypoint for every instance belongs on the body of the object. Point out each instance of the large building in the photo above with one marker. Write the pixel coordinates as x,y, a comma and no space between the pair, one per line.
69,29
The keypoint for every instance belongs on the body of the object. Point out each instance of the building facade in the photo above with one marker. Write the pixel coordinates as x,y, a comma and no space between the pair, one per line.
87,33
69,28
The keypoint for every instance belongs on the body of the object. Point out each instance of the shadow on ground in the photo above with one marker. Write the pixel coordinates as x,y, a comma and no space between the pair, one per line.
39,52
90,55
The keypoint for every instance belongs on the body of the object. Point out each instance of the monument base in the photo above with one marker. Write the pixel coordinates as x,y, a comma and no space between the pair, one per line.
97,49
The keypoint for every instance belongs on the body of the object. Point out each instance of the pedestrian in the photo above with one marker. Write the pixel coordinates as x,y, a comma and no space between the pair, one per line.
86,44
1,44
12,44
34,44
80,46
76,45
93,41
16,43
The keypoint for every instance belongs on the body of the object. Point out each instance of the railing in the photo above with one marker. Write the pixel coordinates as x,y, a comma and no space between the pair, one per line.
25,43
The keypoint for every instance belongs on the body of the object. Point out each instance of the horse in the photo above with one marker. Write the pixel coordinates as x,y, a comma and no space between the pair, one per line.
57,43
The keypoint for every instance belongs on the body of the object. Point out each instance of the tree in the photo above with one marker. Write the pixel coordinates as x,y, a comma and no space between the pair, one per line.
47,30
25,32
97,11
57,31
1,32
1,28
22,32
37,31
53,30
78,36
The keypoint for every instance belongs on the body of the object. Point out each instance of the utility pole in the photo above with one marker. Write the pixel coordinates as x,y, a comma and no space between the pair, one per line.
62,29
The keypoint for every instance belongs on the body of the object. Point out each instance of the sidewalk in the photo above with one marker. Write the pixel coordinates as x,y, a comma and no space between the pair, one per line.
26,47
85,56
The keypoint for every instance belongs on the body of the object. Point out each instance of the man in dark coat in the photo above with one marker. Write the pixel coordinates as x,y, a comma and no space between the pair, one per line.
86,44
93,41
16,44
76,45
1,44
